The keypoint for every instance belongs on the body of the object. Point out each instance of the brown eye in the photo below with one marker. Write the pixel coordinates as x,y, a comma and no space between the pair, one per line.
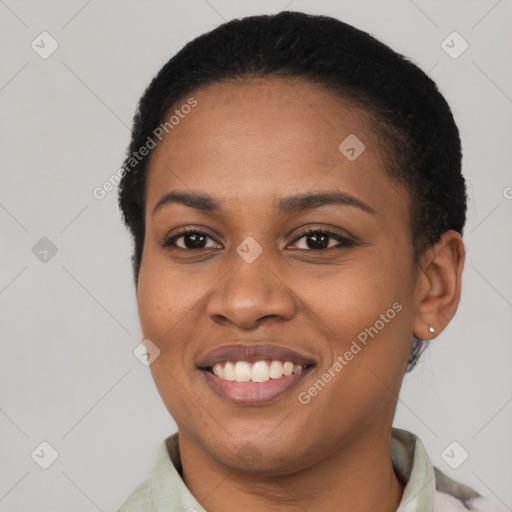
191,239
319,240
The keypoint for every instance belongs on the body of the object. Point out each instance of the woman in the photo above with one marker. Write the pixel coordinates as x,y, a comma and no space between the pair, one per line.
295,196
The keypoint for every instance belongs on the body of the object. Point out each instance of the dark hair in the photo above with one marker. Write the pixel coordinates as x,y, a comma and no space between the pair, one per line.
414,126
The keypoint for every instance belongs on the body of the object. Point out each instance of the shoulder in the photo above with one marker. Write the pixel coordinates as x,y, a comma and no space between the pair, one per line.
453,496
138,501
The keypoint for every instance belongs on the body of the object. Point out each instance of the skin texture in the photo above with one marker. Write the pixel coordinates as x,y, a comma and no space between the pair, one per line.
249,144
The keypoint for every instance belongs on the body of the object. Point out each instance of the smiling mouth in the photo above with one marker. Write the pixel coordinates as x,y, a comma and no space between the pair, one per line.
257,383
255,372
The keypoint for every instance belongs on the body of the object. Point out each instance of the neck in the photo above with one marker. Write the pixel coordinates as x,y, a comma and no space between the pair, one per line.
359,476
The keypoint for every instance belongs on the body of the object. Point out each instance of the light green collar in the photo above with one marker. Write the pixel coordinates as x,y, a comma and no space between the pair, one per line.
413,467
166,491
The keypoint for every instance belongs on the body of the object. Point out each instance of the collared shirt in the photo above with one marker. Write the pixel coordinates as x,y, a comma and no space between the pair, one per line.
426,489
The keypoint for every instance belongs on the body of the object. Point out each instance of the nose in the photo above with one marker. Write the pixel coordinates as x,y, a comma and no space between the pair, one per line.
250,293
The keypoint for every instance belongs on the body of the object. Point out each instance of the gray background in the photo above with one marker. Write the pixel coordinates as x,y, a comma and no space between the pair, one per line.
68,375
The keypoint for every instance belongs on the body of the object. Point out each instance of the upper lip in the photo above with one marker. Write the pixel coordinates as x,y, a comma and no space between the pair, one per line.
252,353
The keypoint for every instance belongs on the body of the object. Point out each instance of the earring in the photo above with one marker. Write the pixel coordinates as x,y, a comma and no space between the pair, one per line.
431,329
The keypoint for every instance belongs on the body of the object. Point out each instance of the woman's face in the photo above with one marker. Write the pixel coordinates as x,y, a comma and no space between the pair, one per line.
254,288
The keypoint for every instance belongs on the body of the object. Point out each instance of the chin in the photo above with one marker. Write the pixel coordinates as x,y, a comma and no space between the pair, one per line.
259,453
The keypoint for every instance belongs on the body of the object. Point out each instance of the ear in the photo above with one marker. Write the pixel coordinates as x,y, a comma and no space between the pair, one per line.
439,285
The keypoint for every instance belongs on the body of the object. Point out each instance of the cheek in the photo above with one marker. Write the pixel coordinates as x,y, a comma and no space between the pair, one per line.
165,299
166,312
171,306
369,316
354,298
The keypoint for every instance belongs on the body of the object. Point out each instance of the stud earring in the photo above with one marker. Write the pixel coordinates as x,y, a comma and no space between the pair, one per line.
431,329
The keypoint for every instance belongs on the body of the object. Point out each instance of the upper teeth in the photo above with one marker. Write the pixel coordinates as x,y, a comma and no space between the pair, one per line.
260,371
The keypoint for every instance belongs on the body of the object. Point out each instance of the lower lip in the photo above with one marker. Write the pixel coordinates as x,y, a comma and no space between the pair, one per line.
253,393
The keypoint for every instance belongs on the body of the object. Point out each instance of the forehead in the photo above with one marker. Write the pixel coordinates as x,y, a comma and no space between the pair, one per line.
265,116
249,140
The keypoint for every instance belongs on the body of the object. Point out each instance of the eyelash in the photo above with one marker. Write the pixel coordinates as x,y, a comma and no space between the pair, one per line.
344,242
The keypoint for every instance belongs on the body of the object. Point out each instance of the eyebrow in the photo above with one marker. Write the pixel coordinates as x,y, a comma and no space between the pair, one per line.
291,204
